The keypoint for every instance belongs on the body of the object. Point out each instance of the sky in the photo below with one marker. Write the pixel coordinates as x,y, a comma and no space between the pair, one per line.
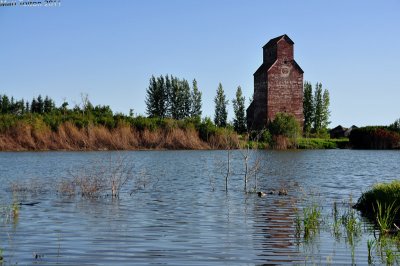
109,50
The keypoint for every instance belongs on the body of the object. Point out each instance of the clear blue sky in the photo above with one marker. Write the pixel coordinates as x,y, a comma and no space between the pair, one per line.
109,50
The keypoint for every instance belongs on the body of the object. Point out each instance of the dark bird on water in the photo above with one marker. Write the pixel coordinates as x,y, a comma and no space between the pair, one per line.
261,194
28,204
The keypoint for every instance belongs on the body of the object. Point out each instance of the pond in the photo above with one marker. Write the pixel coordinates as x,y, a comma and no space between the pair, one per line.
176,210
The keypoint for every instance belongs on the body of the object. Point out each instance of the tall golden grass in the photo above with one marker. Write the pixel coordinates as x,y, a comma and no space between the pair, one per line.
39,137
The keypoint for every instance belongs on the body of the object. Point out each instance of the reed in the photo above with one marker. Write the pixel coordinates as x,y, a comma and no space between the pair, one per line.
385,216
370,245
311,220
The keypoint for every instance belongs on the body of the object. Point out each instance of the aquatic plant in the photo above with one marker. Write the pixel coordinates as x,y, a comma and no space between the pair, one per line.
15,209
311,220
370,245
385,216
352,225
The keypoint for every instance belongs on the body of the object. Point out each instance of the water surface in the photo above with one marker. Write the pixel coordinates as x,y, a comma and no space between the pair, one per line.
175,211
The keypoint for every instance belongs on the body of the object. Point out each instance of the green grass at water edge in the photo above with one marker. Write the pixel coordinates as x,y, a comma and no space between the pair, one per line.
380,200
319,143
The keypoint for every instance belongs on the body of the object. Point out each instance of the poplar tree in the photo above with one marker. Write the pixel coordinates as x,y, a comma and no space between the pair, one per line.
163,95
168,88
221,113
174,98
318,108
239,122
195,101
185,99
308,107
325,110
48,105
156,98
152,98
40,104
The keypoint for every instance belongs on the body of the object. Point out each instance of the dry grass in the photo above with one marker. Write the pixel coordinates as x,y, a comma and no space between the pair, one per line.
67,188
36,137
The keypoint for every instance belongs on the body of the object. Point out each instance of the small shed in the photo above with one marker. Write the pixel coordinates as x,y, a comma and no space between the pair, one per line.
337,132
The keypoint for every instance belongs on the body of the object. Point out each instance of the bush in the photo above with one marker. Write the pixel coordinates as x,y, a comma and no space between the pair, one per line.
141,123
374,138
207,129
286,125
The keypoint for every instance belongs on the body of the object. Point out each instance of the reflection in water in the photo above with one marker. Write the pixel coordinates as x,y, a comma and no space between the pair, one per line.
274,216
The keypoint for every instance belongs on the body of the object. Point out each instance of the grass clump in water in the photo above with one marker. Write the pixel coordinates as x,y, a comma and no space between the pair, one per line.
380,204
310,222
385,216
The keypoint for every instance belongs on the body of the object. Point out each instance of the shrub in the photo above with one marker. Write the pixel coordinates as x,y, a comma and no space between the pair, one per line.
374,138
207,129
285,125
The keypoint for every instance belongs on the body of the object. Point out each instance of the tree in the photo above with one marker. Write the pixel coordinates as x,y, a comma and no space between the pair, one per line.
48,105
168,92
395,126
318,108
185,98
325,110
163,94
174,98
179,98
156,98
239,122
40,105
308,108
5,104
27,107
221,113
195,101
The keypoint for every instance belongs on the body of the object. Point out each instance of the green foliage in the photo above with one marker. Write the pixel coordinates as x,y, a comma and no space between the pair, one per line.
308,107
239,122
221,113
316,109
385,215
7,121
181,101
379,137
195,101
207,129
325,110
141,123
285,125
352,225
395,126
311,220
156,97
